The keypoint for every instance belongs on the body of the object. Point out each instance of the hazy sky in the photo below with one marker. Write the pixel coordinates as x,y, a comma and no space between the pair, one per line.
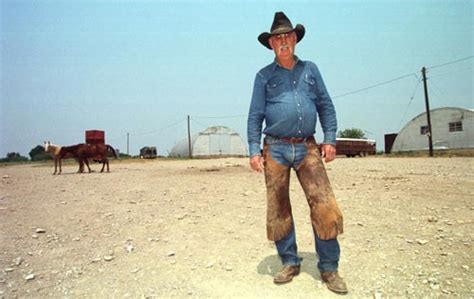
141,67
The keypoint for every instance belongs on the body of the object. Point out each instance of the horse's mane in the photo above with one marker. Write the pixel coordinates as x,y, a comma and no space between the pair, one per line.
53,149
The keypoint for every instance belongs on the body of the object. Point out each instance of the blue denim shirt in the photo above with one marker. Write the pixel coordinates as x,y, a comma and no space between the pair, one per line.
290,103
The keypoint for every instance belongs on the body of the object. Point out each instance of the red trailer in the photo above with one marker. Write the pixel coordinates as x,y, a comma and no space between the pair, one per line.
95,137
352,147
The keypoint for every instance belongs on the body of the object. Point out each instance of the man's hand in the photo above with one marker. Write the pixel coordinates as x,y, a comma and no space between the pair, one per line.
328,152
256,163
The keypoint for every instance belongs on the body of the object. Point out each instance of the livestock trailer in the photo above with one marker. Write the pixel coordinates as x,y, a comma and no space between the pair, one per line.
352,147
95,137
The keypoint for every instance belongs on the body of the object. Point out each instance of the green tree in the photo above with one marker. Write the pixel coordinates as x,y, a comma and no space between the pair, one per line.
38,154
352,133
14,157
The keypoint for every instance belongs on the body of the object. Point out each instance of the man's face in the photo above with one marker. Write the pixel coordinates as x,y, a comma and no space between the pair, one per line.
283,44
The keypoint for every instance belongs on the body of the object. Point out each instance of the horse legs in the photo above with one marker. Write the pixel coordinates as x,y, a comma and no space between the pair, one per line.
81,165
60,163
57,160
103,164
87,164
83,161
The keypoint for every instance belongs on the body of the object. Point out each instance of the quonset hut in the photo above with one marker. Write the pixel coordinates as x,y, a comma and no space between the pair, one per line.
453,128
215,141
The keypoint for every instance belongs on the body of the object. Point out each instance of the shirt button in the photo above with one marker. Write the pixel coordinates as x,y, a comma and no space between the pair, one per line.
296,92
299,132
301,118
294,82
299,105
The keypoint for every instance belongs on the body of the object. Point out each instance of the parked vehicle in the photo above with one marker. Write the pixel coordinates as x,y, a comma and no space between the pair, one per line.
148,152
352,147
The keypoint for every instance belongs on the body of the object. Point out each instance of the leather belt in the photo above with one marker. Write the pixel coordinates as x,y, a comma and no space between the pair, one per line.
293,139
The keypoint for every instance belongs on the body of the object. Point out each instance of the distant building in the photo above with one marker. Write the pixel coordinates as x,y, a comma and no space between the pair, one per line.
215,141
452,128
389,139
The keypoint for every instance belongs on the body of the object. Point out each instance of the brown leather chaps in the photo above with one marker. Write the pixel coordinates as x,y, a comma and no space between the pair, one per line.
326,216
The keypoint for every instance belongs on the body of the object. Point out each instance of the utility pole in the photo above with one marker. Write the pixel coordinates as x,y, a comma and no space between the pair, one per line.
128,142
189,137
427,104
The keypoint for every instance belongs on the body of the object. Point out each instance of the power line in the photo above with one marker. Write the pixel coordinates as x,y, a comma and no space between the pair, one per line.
376,85
160,129
409,103
402,77
451,72
438,92
451,62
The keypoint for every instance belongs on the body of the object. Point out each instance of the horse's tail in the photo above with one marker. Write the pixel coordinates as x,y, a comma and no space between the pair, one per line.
114,152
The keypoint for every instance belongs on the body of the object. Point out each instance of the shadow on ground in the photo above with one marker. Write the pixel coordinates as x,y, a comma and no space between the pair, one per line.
272,264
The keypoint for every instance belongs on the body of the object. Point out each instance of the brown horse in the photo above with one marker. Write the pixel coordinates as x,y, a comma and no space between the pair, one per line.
83,152
55,150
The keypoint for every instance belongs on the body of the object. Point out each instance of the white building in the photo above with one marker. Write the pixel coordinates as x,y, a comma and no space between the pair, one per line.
452,128
212,142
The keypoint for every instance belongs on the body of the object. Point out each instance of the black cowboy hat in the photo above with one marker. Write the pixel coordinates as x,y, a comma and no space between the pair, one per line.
281,24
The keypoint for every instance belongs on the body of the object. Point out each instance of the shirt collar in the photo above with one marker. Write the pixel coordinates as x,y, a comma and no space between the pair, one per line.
275,62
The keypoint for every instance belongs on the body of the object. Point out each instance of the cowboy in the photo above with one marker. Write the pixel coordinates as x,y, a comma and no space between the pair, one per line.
289,94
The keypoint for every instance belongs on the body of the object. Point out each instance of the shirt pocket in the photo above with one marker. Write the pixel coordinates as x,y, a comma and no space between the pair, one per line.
274,89
309,86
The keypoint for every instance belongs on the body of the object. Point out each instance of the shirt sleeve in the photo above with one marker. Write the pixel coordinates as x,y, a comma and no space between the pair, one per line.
326,110
256,116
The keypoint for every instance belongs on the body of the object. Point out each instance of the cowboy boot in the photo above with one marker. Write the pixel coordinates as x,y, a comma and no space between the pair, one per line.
334,282
286,274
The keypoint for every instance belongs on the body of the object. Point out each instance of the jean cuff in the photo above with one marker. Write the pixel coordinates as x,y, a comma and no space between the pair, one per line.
293,262
328,267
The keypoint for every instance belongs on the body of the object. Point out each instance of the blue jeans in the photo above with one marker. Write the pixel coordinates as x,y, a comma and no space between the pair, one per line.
328,252
280,157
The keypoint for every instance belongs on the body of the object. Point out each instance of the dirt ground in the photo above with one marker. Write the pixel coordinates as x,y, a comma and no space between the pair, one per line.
196,228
